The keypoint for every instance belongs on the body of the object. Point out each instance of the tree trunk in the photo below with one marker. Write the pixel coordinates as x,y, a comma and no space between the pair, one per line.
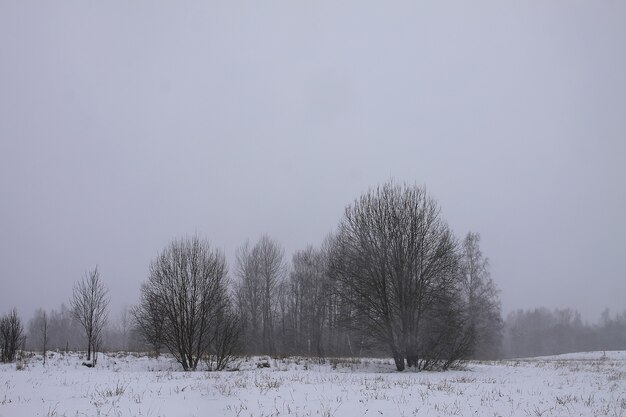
399,360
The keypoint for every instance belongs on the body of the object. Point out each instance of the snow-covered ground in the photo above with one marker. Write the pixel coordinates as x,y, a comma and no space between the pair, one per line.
585,384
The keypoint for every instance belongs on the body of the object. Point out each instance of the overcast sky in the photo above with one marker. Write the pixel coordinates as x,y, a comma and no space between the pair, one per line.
125,124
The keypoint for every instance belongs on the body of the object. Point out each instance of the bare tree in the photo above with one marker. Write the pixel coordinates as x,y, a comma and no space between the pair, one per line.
395,262
39,330
11,336
260,270
248,295
43,331
308,290
271,269
481,297
226,340
89,305
124,324
187,288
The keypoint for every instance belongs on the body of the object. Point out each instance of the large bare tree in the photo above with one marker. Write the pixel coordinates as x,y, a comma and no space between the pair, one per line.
395,263
187,290
89,304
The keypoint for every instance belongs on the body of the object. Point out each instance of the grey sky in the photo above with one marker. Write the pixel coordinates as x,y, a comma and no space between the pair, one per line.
126,124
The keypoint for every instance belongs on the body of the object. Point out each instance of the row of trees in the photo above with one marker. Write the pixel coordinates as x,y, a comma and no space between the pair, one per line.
527,333
393,279
84,321
58,329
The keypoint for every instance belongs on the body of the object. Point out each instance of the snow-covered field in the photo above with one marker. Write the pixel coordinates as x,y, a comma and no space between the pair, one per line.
586,384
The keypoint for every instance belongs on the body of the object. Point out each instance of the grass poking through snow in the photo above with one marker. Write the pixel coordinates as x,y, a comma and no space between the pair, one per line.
590,385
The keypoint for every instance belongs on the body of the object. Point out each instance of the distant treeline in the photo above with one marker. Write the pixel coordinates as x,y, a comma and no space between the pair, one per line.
542,332
527,333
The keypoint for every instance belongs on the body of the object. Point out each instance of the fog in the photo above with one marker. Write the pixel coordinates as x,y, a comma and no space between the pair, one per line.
124,125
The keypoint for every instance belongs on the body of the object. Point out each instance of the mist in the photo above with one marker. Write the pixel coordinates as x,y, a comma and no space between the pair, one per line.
126,125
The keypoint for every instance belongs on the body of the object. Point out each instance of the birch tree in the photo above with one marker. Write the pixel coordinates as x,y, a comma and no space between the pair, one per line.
89,305
481,295
260,272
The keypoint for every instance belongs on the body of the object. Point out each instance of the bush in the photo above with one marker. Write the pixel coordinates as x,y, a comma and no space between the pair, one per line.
11,336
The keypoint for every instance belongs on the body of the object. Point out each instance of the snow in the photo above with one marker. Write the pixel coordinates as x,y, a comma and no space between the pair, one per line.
581,384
